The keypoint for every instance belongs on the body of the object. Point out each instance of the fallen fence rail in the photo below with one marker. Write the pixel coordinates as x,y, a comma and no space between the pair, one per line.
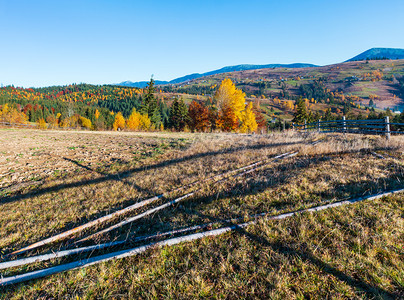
68,252
135,206
173,241
244,170
158,208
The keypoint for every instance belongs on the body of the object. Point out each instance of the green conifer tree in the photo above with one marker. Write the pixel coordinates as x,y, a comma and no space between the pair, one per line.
150,105
328,115
178,114
301,112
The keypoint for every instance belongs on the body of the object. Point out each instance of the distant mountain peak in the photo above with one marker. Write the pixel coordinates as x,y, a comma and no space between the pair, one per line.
380,53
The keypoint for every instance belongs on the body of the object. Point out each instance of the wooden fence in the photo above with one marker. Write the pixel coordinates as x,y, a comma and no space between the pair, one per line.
376,126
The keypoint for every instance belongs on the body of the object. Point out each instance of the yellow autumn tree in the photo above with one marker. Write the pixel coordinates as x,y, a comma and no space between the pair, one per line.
3,112
248,122
97,114
85,122
41,124
12,115
228,96
288,104
145,122
133,121
119,121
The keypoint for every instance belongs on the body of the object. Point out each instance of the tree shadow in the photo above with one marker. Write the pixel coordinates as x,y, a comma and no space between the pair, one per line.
303,252
286,173
110,176
124,174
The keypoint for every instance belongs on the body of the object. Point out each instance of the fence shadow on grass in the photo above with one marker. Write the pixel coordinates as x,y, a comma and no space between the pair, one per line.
286,249
285,173
120,176
302,252
124,174
258,184
109,176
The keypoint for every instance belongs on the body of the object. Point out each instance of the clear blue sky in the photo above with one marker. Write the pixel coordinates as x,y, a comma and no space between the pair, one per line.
96,41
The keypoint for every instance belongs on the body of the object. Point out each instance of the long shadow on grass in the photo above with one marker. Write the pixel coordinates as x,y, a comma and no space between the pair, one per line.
290,173
130,172
305,254
112,177
278,176
232,190
71,225
302,251
285,172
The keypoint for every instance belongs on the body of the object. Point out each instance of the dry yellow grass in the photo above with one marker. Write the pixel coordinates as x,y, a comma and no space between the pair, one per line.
235,265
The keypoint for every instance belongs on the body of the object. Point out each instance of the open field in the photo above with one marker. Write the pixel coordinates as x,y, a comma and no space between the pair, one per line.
52,181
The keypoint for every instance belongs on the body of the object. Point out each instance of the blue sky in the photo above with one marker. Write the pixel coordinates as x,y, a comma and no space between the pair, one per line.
46,43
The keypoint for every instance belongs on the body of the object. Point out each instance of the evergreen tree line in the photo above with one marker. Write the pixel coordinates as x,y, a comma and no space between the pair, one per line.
316,90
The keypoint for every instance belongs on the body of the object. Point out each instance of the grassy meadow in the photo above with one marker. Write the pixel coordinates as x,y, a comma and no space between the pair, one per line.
52,181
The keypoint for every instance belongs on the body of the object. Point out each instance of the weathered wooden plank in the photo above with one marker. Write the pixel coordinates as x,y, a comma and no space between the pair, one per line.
134,251
135,206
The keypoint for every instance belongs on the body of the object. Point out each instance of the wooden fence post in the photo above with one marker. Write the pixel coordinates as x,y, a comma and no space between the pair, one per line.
343,124
387,122
318,125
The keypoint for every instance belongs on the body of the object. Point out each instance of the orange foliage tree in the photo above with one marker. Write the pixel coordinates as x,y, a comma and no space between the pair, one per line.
259,117
198,117
227,119
229,97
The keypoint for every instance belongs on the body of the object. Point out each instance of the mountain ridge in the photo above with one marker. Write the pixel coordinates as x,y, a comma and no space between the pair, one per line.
379,53
242,67
373,53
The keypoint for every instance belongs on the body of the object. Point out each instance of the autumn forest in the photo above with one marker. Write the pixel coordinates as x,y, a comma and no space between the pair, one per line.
251,101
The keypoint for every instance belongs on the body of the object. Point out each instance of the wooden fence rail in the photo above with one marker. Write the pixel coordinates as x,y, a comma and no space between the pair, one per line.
375,126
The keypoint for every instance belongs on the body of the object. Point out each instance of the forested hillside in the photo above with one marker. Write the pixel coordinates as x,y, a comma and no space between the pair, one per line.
357,90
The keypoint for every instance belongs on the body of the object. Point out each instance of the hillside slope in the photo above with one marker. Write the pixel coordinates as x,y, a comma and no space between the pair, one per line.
239,68
142,84
381,81
380,53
